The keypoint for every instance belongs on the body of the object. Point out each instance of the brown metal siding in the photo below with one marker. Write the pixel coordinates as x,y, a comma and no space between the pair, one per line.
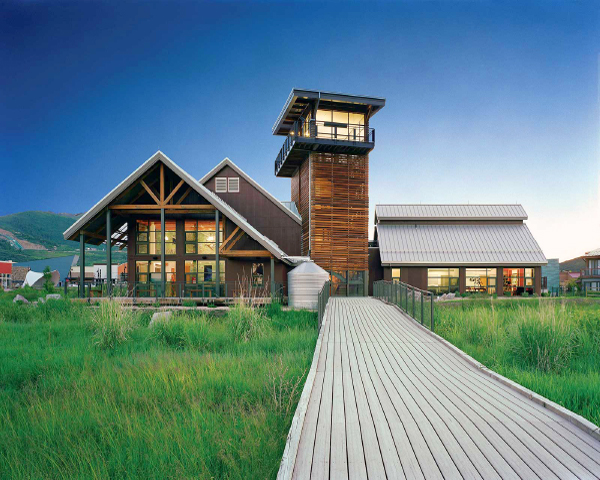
261,213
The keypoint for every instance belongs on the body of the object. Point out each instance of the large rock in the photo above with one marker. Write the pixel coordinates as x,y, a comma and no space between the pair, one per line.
20,298
450,296
41,300
53,296
160,316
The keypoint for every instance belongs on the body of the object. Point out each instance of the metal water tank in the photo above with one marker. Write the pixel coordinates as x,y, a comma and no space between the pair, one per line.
304,284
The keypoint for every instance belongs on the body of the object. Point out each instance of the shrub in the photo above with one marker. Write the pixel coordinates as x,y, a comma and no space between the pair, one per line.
543,338
246,322
16,313
112,323
189,303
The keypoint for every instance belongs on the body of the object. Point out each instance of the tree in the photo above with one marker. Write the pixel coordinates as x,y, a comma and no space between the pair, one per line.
48,285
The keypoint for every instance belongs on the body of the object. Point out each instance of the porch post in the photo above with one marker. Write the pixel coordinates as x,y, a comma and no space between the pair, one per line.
163,273
108,254
81,265
217,264
272,277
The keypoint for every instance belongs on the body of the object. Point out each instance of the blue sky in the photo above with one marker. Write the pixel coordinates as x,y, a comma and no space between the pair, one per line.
487,102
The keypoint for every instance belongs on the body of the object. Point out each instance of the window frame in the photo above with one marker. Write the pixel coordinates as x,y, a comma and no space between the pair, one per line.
233,180
220,189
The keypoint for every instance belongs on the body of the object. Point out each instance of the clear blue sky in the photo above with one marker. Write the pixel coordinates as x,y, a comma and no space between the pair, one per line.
486,102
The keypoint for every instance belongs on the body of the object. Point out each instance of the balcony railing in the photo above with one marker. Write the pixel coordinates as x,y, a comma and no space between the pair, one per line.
590,272
330,131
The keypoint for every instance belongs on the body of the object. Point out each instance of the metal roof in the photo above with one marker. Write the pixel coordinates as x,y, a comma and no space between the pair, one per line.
204,192
593,253
226,162
299,98
504,244
450,212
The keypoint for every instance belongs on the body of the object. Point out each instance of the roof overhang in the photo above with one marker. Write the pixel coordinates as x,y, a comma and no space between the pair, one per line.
300,98
213,199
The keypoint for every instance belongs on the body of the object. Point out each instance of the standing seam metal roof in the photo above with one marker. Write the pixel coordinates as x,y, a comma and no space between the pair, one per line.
450,212
502,244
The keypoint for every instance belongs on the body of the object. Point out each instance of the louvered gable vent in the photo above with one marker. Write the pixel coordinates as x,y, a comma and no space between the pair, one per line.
221,184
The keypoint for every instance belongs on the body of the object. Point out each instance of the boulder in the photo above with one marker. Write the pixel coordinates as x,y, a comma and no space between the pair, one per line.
53,296
160,316
20,298
41,300
450,296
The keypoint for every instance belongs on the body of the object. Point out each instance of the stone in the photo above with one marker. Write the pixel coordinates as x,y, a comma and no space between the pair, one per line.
450,296
41,300
53,296
160,316
20,298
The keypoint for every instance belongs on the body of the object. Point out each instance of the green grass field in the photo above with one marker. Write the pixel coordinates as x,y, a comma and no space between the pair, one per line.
549,346
95,392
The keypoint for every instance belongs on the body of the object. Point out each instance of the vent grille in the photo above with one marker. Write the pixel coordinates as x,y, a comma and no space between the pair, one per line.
221,185
234,184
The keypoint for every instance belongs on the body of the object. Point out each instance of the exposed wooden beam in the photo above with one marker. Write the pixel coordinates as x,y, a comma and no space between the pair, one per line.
185,194
208,208
247,253
173,192
149,190
231,235
162,183
234,241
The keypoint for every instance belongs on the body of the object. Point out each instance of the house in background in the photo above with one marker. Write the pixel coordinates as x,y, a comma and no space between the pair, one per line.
100,272
551,275
18,275
74,275
590,275
6,274
457,249
60,264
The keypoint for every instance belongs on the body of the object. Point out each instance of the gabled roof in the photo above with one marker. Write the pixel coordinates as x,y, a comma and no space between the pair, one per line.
226,162
213,199
449,212
509,244
593,253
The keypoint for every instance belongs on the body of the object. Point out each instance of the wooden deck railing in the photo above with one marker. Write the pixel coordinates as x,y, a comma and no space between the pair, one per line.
417,303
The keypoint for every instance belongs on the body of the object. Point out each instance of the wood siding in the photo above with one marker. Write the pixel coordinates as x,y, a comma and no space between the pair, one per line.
301,195
339,204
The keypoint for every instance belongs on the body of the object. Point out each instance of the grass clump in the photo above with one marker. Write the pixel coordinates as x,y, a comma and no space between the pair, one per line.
181,330
551,347
112,324
247,323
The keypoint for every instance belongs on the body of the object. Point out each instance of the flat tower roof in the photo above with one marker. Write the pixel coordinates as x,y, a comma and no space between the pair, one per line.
300,98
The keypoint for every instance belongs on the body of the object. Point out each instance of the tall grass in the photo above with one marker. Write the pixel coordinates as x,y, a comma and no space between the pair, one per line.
195,401
549,346
112,324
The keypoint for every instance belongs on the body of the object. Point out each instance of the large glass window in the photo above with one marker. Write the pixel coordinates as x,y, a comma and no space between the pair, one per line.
442,280
396,275
481,280
200,236
148,278
340,125
148,237
518,281
200,271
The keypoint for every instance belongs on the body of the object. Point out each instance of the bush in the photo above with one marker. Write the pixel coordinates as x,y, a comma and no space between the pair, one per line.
246,322
112,323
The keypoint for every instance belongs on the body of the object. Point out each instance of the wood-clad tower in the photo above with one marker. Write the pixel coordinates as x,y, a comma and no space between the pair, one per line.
326,155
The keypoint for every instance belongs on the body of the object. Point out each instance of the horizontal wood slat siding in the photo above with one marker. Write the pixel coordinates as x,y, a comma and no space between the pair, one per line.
300,195
339,204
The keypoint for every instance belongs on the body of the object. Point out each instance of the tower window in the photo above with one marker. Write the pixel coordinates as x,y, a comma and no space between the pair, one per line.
234,184
221,184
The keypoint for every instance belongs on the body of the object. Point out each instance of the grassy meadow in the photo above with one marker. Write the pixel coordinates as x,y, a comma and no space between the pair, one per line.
549,346
95,392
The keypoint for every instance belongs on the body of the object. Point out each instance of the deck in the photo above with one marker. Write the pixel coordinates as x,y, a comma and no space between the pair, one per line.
385,399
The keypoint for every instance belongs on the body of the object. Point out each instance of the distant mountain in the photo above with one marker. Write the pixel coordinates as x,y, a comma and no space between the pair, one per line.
573,265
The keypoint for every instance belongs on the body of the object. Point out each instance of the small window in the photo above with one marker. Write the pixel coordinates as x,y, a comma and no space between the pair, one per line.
258,274
234,184
221,184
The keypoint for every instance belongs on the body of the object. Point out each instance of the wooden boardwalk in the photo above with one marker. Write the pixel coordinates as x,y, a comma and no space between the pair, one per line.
388,400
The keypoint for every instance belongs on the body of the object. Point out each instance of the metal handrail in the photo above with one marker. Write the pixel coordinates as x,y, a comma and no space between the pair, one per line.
410,299
590,272
323,298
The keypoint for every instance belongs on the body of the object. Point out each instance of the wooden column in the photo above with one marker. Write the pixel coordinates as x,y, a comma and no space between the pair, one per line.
108,254
500,281
217,264
163,273
272,278
81,265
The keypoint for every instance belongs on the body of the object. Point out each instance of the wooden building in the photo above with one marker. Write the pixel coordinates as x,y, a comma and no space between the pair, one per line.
326,155
186,238
456,249
590,276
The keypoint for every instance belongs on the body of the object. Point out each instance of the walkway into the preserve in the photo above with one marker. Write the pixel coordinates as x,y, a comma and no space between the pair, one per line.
389,400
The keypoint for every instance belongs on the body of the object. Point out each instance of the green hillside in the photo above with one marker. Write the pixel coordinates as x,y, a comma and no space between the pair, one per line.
46,229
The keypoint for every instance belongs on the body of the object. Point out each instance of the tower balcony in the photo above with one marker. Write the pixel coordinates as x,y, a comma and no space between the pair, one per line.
323,137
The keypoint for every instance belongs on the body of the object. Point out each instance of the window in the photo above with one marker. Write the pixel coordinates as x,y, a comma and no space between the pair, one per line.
234,184
200,271
481,280
221,184
340,125
395,275
200,237
148,278
442,280
518,281
258,270
148,237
